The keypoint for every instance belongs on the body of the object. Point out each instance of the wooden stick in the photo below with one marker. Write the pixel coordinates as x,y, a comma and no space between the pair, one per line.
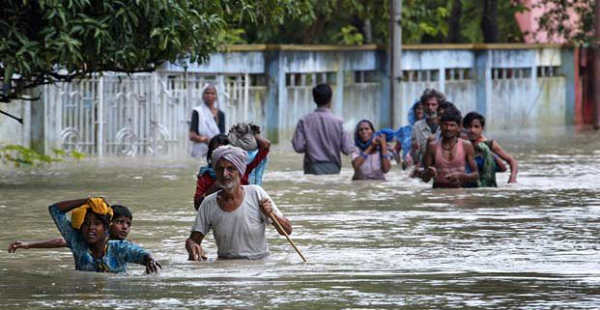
276,221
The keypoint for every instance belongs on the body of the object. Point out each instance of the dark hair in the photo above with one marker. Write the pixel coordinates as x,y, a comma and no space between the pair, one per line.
416,106
429,93
471,116
119,211
356,135
105,219
451,115
322,94
215,142
447,105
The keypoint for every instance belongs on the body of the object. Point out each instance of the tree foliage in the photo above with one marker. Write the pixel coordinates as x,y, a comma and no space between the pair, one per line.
46,41
334,21
324,22
458,21
558,22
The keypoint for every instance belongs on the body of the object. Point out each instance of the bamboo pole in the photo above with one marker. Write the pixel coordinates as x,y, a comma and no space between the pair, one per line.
276,221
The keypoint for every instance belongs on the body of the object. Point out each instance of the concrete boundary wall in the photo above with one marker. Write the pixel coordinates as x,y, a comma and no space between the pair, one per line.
148,114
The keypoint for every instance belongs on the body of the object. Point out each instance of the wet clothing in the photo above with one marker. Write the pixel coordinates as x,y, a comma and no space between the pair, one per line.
253,175
205,124
258,161
242,136
404,133
420,132
371,167
486,164
206,179
321,137
487,168
445,167
239,233
320,168
118,252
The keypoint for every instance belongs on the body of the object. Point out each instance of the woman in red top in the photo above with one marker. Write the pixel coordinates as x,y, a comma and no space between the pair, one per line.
206,185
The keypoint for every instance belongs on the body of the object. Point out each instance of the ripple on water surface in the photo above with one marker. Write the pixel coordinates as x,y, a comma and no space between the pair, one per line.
370,245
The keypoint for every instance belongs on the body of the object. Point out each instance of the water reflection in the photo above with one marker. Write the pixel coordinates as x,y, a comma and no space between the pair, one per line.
370,245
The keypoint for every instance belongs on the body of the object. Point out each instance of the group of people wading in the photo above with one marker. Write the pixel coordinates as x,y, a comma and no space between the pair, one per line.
439,143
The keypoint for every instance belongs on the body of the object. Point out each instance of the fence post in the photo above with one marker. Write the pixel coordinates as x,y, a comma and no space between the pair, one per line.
100,118
47,125
33,122
274,68
483,82
442,80
247,97
339,81
567,69
157,104
534,93
385,103
27,122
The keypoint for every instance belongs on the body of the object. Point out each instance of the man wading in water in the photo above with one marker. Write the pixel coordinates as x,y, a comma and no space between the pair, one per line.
237,214
321,137
446,158
424,128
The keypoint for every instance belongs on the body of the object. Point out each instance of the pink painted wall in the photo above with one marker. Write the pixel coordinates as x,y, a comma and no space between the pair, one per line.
528,23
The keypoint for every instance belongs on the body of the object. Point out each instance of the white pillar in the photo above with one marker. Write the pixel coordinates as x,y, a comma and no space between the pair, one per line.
100,118
396,105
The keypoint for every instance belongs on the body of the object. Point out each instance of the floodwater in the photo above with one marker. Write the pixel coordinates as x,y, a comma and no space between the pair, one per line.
370,245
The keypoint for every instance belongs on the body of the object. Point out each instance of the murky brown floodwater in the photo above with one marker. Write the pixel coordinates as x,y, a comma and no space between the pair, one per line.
370,245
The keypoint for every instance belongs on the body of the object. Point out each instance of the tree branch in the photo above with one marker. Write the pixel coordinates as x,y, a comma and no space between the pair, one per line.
20,120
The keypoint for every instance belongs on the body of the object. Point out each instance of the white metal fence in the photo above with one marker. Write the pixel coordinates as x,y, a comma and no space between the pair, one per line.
141,114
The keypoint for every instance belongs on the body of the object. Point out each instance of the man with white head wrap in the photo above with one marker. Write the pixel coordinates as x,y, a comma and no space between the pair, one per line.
233,154
237,214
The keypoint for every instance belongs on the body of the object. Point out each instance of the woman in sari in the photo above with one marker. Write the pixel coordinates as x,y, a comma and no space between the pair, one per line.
371,160
207,122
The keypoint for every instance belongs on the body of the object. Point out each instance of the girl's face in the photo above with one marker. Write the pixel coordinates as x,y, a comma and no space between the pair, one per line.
365,132
93,229
474,130
419,113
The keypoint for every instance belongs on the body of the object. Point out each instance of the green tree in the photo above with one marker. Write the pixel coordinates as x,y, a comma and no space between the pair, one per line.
48,41
501,22
431,21
326,22
21,156
425,21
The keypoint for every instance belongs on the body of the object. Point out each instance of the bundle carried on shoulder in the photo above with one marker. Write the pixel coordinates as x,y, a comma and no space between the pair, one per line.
242,136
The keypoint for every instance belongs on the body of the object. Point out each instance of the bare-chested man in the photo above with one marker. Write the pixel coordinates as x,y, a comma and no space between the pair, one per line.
446,158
